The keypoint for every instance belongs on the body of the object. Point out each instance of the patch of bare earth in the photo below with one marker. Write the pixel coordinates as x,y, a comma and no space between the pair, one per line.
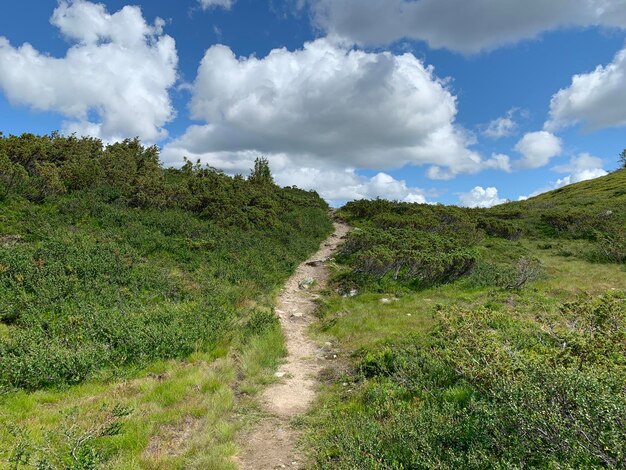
273,442
172,440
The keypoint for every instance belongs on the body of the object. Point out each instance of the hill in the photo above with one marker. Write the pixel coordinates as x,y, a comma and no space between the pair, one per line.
478,338
125,289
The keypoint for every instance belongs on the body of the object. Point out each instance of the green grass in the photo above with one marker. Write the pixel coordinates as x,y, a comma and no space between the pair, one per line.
180,413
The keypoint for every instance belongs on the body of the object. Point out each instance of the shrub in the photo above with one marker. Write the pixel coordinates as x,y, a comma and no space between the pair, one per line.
499,228
13,177
490,391
401,255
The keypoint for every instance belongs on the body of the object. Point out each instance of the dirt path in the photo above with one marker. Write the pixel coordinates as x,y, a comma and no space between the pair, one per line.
272,443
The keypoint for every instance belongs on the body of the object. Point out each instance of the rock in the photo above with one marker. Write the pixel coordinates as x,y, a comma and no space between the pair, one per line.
306,283
351,293
279,375
316,263
385,301
297,315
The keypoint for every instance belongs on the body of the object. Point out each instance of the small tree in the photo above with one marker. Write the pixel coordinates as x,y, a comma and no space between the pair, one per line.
622,158
261,173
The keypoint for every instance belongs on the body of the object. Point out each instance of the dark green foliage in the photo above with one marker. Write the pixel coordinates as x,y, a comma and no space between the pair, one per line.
499,228
405,256
117,261
261,173
622,158
507,276
402,245
491,391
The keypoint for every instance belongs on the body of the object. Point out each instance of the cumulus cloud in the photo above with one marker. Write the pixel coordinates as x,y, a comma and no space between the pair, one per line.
326,105
463,25
338,186
504,126
481,197
226,4
118,70
596,99
581,168
537,148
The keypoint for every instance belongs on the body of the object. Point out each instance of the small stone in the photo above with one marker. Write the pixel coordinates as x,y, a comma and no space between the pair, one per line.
345,384
408,314
297,315
306,283
279,374
385,301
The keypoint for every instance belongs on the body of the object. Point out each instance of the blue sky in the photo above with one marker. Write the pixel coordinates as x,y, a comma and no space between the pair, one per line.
456,101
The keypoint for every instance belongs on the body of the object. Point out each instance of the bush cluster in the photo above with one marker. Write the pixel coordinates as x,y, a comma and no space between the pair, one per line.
115,261
399,255
491,391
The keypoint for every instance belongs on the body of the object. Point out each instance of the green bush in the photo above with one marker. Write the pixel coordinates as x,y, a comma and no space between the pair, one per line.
490,391
499,228
379,256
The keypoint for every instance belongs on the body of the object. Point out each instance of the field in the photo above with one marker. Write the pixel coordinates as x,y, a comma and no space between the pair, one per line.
475,338
136,320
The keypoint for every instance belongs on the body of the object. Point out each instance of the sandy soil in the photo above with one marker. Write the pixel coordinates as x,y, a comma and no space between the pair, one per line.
273,442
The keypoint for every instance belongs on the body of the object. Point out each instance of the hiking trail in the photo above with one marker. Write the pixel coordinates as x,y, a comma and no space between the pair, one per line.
272,443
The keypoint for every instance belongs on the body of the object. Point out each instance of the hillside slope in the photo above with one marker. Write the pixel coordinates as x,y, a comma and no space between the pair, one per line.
479,338
116,271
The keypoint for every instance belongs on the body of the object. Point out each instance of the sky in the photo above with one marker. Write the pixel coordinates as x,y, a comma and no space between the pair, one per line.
466,102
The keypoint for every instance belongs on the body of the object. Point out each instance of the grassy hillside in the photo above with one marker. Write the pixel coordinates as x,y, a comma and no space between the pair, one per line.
491,338
135,301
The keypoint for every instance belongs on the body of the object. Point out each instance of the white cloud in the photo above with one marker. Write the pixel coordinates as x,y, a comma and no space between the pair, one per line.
326,106
581,168
463,25
226,4
119,69
481,197
338,186
537,148
596,99
504,126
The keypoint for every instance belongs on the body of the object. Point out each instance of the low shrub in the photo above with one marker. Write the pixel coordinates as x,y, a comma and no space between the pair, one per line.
402,256
490,391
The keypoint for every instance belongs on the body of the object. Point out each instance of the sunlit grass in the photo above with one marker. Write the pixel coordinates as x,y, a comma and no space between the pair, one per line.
181,414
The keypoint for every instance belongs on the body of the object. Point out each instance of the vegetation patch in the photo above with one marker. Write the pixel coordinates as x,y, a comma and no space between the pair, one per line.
516,359
111,266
